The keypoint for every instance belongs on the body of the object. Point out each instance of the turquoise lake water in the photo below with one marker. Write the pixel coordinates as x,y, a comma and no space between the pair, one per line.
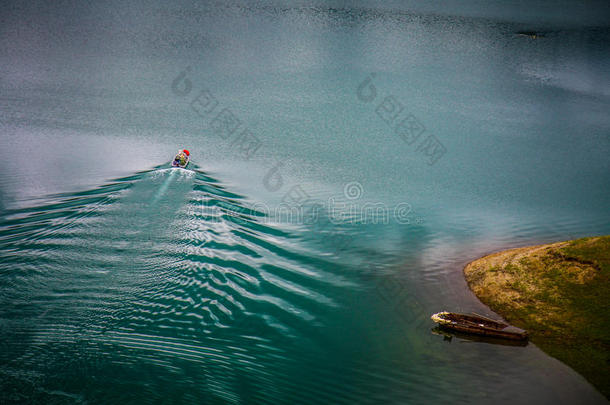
347,160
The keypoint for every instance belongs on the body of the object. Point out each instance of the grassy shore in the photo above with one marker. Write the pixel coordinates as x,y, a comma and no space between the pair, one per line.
560,293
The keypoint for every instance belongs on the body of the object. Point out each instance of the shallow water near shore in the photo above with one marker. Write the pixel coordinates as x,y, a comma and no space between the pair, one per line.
125,280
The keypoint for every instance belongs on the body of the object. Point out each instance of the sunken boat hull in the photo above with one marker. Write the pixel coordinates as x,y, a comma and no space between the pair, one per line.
478,325
449,334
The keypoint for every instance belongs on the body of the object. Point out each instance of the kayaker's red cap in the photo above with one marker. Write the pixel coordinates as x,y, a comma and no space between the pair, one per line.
187,152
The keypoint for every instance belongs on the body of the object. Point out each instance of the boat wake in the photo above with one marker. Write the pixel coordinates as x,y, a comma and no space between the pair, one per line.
166,268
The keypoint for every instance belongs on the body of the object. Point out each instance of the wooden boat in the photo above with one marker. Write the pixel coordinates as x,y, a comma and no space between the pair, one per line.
478,325
449,334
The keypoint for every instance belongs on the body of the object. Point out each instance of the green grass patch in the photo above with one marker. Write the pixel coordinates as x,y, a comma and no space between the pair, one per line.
561,295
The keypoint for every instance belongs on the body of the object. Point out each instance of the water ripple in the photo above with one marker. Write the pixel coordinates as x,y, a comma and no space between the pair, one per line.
165,267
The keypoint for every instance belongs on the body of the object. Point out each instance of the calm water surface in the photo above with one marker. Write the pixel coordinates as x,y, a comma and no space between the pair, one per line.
122,279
